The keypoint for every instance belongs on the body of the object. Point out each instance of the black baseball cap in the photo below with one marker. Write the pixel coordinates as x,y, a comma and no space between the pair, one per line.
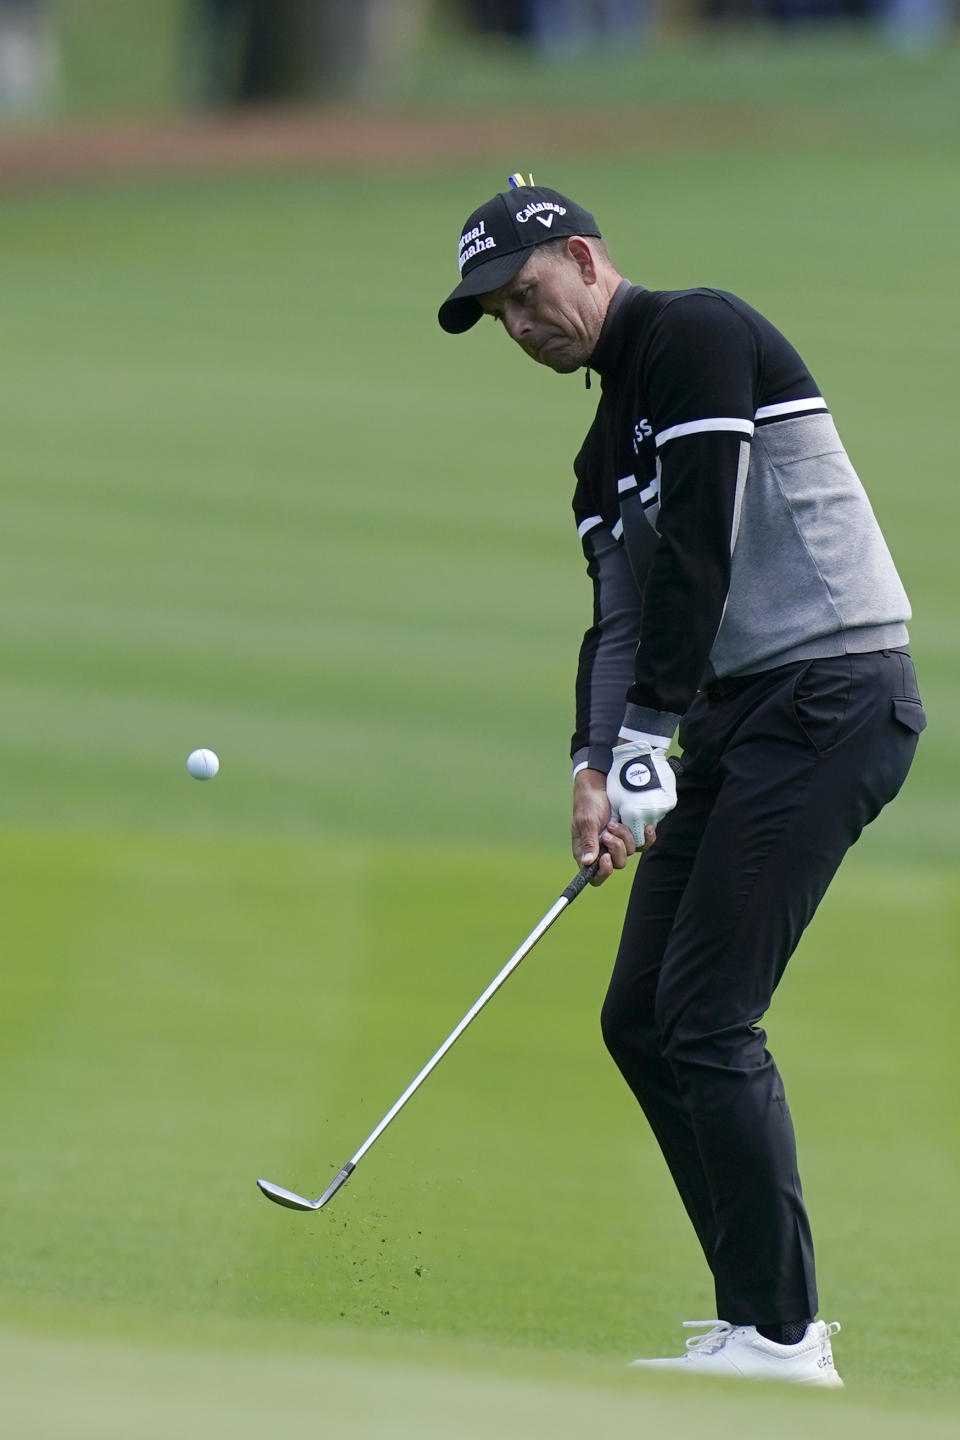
497,240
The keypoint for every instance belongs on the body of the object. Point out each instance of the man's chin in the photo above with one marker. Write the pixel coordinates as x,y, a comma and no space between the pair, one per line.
559,358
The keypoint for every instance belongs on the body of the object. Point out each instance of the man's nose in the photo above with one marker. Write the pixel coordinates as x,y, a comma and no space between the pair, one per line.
517,322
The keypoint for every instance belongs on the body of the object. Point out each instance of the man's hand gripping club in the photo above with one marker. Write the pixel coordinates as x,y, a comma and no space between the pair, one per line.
617,814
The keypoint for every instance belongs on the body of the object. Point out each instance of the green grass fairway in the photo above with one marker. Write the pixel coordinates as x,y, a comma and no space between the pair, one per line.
253,499
199,1012
254,1382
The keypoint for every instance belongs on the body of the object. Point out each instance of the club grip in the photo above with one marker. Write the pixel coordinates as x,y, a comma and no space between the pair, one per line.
581,880
586,873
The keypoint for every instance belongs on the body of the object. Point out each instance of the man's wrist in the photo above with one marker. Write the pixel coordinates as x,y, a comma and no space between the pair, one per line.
649,742
642,726
592,757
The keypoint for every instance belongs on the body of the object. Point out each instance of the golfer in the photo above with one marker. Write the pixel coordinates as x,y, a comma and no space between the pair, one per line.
744,600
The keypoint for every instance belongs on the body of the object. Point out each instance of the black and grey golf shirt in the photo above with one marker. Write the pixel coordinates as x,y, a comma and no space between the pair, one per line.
724,527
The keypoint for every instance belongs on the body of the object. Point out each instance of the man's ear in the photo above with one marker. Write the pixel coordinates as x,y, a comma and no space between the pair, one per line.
582,256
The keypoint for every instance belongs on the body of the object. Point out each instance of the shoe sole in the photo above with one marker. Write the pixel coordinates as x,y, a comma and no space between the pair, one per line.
827,1381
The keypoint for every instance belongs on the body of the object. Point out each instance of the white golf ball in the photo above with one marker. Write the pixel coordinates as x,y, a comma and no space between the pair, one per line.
202,764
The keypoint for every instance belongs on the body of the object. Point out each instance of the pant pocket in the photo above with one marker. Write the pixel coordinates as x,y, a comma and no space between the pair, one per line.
909,713
821,697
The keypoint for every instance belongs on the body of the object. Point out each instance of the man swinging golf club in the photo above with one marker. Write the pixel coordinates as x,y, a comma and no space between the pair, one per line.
743,592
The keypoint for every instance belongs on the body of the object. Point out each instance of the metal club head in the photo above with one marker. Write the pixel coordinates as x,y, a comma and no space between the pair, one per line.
280,1196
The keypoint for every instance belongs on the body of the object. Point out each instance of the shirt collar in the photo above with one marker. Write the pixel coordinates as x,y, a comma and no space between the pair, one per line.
613,332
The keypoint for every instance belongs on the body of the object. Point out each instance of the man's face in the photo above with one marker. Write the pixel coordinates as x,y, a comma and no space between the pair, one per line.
552,308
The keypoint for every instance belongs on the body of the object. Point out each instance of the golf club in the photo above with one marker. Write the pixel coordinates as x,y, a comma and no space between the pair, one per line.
281,1196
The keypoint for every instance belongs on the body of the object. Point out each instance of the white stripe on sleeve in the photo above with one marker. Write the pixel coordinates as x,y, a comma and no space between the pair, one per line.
698,427
587,525
790,407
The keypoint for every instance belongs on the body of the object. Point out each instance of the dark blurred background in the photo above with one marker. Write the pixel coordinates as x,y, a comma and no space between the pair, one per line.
70,54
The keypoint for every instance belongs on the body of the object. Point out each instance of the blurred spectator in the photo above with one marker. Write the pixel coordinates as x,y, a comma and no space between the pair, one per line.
500,17
800,11
912,24
242,51
570,25
29,57
254,51
366,46
917,24
788,11
561,25
732,9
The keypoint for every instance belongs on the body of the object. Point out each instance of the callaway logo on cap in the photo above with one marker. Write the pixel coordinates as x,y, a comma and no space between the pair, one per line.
497,239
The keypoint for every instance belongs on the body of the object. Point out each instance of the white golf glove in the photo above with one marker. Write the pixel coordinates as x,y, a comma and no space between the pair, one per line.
641,787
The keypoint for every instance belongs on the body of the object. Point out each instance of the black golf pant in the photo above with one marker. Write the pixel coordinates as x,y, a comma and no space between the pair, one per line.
782,771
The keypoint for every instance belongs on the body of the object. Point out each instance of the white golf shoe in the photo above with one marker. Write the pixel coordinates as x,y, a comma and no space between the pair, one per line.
740,1351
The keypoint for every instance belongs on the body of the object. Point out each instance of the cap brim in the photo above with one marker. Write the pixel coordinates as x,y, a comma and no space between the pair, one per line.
460,310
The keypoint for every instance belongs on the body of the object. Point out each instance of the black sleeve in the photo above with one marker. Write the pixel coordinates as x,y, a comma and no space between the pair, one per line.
608,648
701,374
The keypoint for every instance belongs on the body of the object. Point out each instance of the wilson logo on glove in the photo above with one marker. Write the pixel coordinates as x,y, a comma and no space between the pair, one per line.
637,776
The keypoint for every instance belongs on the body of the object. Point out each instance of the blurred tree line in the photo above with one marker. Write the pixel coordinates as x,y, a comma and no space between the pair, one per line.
248,51
252,52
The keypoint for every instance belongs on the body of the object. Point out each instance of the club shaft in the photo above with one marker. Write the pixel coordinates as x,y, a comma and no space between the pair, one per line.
491,990
584,876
